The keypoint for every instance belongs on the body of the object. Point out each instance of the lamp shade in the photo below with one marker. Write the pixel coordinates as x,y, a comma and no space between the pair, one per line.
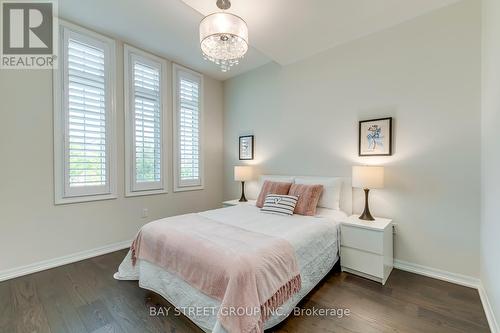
370,177
219,24
223,39
242,173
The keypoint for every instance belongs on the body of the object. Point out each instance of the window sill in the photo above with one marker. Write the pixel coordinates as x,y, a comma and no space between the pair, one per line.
70,200
189,188
143,193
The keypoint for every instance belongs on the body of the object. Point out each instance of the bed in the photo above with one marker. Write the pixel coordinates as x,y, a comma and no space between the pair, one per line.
315,242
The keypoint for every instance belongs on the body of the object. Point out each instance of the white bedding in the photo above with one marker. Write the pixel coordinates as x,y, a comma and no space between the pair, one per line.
314,239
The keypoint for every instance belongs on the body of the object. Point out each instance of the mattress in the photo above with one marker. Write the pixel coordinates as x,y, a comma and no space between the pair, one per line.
314,239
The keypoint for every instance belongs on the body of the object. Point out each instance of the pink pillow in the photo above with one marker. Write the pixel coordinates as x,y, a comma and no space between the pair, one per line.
270,187
308,198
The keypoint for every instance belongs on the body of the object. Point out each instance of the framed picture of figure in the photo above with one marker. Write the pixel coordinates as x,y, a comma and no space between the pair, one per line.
246,149
375,137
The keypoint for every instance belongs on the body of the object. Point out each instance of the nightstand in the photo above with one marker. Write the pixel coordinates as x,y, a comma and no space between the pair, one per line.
366,248
236,202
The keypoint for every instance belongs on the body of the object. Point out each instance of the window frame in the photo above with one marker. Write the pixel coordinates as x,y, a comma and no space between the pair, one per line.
62,193
132,188
179,71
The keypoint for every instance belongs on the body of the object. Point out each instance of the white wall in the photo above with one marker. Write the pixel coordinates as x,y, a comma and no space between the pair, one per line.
490,226
426,74
32,227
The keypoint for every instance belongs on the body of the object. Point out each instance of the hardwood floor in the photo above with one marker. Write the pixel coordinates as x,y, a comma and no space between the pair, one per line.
84,297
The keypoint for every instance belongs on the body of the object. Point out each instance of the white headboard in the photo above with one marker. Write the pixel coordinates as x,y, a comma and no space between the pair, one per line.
252,190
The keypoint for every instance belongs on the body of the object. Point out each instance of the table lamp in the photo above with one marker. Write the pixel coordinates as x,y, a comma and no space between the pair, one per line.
367,178
242,174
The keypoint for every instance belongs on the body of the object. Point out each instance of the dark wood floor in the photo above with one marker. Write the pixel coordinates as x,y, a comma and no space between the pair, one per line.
84,297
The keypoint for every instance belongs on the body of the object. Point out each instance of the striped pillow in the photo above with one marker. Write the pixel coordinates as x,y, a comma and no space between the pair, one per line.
279,204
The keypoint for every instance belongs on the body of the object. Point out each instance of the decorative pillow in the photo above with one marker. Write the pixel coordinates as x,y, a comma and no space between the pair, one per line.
252,189
272,188
279,204
330,198
308,198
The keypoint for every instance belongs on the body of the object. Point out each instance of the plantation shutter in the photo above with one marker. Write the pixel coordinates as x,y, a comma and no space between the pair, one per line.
87,155
84,117
147,126
188,129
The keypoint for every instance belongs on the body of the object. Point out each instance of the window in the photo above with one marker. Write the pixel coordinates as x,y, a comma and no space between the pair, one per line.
188,94
84,117
144,116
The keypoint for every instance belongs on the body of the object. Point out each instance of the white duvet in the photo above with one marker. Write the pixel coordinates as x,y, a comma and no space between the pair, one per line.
314,239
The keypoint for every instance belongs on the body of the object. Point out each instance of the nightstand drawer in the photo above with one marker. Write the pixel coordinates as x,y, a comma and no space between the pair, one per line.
363,239
365,262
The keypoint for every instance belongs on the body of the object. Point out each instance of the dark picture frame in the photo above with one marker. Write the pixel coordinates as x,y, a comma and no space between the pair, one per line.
375,137
246,147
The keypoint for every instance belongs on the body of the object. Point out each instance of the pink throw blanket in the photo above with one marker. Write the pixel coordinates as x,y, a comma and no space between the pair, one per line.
250,273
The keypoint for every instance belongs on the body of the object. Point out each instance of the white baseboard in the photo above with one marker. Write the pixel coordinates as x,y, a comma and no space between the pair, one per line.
488,310
435,273
51,263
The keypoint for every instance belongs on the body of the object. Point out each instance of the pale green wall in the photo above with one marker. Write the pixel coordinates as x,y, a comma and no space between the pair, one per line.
490,226
426,73
32,227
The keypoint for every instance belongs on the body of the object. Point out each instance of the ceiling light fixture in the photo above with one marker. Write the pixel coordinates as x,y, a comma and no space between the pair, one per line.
223,37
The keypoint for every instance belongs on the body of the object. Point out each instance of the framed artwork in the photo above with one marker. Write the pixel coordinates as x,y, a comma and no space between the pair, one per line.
375,137
246,147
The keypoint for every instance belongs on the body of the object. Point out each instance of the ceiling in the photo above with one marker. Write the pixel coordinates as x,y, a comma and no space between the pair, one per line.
283,31
168,28
291,30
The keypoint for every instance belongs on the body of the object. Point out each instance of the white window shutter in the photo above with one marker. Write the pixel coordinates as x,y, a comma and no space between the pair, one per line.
188,115
84,117
144,116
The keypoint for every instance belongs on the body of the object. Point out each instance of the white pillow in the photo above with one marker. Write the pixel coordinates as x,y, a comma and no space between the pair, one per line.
330,198
273,178
252,189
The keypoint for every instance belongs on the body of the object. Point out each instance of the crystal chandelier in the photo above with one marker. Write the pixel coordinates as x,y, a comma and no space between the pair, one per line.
223,37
